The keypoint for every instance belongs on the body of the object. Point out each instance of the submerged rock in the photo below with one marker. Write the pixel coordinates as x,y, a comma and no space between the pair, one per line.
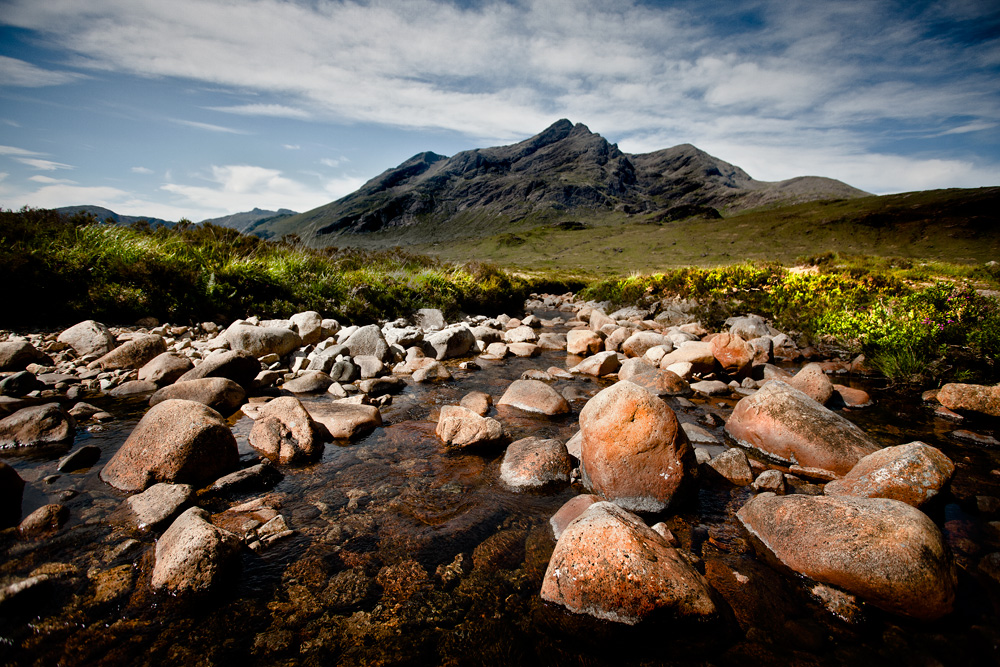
633,448
461,427
786,424
533,463
884,551
284,432
610,565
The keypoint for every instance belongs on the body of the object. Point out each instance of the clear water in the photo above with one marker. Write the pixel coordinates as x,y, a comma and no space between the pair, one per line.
357,584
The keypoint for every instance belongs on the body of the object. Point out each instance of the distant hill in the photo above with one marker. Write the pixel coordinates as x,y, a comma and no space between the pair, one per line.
248,221
104,214
565,173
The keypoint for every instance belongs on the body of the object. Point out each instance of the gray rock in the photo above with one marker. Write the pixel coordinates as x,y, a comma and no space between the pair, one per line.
430,318
220,394
748,327
134,353
157,505
367,340
310,382
165,368
534,463
259,341
19,384
193,556
239,366
89,338
450,343
82,458
308,325
734,466
37,425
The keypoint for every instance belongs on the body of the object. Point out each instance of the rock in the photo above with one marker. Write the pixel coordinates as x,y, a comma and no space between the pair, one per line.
239,366
599,320
369,366
20,384
367,340
81,459
659,382
134,353
534,463
748,327
382,386
308,325
284,432
11,491
193,556
971,397
849,397
45,519
157,505
259,341
520,334
176,441
583,342
220,394
310,382
911,473
534,396
770,480
884,551
165,368
345,371
495,351
602,363
430,318
733,465
89,338
575,445
610,565
552,341
261,476
477,401
813,382
711,388
696,435
487,335
461,427
974,438
785,424
37,425
696,353
638,343
344,421
733,354
763,350
431,371
450,343
133,388
634,450
570,510
524,349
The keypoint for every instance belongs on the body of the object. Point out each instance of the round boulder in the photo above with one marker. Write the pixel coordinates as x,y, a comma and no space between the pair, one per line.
534,396
193,556
732,353
259,341
911,473
633,449
237,365
610,565
177,441
220,394
15,355
972,397
533,463
884,551
814,383
583,342
284,432
37,425
165,368
638,343
461,427
134,353
89,338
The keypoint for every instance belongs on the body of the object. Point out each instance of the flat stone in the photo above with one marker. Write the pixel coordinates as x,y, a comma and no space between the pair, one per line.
157,505
344,421
80,459
534,396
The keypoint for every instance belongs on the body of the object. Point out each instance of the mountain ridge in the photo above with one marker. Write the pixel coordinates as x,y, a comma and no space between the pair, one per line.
564,171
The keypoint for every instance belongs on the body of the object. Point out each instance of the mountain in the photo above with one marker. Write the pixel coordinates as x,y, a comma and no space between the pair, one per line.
563,174
247,221
104,214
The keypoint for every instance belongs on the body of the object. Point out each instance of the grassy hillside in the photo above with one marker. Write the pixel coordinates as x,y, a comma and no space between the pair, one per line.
957,225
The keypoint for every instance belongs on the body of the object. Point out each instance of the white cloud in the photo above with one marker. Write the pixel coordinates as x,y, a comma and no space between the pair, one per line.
43,165
14,72
272,110
141,170
49,180
291,147
12,150
208,126
330,162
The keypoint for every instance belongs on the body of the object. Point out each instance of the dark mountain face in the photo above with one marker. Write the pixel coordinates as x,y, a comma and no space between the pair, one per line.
104,214
565,168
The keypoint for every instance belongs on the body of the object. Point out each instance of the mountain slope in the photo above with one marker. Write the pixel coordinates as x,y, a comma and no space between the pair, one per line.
565,172
247,221
104,214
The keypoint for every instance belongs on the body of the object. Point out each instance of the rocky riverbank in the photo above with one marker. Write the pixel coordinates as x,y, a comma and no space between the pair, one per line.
339,484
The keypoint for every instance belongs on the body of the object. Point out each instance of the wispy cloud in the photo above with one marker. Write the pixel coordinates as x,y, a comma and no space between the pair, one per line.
208,126
43,165
141,170
13,150
14,72
272,110
38,178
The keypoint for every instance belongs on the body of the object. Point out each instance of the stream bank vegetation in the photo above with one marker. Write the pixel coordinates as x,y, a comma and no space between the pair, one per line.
916,322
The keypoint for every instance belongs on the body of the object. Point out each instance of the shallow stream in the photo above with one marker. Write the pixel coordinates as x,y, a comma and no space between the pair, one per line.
407,553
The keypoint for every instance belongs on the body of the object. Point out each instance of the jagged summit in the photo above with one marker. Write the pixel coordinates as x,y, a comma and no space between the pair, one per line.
564,168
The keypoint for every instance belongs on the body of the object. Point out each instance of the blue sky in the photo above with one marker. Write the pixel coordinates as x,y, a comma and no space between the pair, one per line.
199,108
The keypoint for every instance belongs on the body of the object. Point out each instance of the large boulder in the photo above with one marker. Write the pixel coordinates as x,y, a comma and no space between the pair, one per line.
610,565
533,463
911,473
461,427
193,556
813,382
598,320
345,421
89,338
534,396
308,325
15,355
521,334
696,353
733,353
284,432
638,343
660,382
11,490
165,368
134,353
239,366
221,394
633,450
259,341
156,505
971,397
37,425
785,424
367,340
583,342
748,327
310,382
450,343
177,441
602,363
883,551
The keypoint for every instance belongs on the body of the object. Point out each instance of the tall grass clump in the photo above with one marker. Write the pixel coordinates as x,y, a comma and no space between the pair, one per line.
61,269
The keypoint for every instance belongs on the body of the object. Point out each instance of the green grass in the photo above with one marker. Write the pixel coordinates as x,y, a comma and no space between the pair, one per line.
65,270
